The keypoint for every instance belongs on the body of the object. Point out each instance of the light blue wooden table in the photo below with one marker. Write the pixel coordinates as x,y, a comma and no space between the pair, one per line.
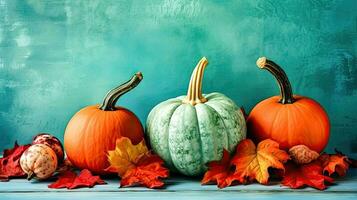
178,188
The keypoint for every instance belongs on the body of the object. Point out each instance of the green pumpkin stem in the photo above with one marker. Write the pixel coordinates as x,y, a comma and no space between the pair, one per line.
113,95
286,91
194,93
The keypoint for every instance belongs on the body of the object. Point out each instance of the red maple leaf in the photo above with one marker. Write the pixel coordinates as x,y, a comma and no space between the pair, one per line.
70,180
148,171
65,180
298,176
220,172
136,165
86,179
10,162
335,163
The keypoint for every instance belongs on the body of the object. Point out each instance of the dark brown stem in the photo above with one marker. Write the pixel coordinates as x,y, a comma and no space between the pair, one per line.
113,95
30,175
283,81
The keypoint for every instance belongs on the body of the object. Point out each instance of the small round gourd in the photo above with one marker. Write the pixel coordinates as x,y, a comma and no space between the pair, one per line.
302,154
190,131
38,161
51,141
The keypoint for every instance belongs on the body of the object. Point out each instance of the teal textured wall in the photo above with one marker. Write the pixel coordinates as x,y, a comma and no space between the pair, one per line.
58,56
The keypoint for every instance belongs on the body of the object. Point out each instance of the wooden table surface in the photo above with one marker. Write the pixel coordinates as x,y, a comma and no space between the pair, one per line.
178,188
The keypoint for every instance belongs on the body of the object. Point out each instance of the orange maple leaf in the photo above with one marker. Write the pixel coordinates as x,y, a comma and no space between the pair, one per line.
311,174
332,163
220,172
252,162
125,155
314,174
136,165
148,171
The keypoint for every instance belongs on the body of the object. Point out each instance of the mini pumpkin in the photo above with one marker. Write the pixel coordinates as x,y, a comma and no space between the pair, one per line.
51,141
38,161
288,119
190,131
93,130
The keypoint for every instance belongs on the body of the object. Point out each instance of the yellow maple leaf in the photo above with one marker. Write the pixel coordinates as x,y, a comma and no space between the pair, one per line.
253,162
125,155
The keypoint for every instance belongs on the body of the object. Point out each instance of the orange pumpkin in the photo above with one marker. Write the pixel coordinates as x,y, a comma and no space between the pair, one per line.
94,130
288,119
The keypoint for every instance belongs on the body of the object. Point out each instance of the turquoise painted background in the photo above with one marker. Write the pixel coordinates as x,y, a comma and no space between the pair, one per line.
58,56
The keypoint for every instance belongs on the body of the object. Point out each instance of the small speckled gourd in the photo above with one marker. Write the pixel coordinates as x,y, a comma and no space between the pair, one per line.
39,161
51,141
301,154
190,131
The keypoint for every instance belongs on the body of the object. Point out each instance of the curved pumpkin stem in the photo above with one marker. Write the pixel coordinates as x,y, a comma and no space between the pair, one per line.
113,95
283,81
194,93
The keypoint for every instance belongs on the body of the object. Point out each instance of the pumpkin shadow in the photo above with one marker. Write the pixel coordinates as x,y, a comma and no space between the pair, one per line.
177,179
109,176
46,181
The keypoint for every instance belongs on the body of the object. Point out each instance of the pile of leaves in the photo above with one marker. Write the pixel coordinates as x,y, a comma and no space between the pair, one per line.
136,165
67,178
258,163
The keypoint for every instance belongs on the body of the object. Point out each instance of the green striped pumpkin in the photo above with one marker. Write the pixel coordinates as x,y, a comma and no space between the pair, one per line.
189,131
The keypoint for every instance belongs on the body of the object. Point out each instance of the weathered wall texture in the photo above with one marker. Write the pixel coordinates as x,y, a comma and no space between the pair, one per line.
58,56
